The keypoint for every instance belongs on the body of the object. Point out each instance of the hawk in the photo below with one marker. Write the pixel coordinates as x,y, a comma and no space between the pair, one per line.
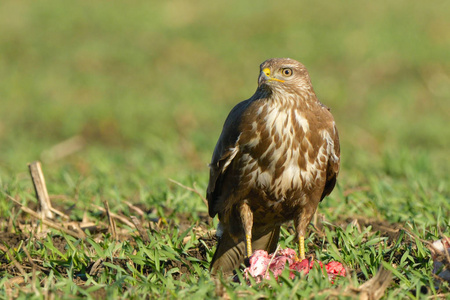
277,157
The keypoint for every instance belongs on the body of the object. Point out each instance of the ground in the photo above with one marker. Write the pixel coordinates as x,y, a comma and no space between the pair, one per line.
117,100
179,246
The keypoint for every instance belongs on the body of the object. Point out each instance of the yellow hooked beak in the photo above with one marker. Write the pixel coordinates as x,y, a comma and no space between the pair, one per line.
266,72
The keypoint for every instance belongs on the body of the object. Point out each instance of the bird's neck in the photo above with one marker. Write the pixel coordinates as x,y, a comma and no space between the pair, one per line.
295,99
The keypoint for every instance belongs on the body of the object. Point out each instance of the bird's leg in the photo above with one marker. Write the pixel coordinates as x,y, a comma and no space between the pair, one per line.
301,246
247,222
300,223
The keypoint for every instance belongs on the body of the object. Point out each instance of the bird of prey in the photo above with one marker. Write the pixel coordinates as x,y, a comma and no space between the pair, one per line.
277,157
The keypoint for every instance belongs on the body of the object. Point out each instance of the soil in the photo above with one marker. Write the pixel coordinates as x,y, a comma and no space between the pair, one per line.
11,240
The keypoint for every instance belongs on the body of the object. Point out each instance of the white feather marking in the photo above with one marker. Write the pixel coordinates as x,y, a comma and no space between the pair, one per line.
234,151
330,145
260,109
265,179
302,121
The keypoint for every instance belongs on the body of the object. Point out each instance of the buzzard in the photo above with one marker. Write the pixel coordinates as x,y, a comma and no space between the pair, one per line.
276,158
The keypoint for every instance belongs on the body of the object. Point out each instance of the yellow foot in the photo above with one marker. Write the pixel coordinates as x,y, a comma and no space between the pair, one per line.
301,247
248,240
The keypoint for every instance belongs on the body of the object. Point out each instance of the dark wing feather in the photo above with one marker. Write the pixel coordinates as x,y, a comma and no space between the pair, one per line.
333,166
223,155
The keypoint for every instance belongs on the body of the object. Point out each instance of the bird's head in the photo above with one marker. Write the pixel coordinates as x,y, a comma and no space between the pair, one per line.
285,75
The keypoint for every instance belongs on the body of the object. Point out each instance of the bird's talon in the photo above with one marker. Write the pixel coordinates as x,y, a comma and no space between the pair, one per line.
247,262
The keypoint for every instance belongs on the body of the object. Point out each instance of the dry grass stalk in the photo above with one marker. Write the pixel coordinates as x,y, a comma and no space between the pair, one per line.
10,284
30,260
135,208
375,288
3,248
140,229
192,190
115,216
271,260
372,289
95,267
112,223
78,235
41,189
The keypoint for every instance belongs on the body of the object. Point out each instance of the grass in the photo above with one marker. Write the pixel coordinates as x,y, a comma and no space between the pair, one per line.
148,85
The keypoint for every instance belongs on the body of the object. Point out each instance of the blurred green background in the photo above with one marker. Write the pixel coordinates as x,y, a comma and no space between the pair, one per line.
148,85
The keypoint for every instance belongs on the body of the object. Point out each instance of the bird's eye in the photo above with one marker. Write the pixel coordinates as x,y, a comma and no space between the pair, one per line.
286,72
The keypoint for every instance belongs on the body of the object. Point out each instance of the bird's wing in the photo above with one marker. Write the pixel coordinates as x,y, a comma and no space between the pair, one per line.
226,149
333,161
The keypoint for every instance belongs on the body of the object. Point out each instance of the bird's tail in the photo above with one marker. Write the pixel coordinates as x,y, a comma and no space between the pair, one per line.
230,255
